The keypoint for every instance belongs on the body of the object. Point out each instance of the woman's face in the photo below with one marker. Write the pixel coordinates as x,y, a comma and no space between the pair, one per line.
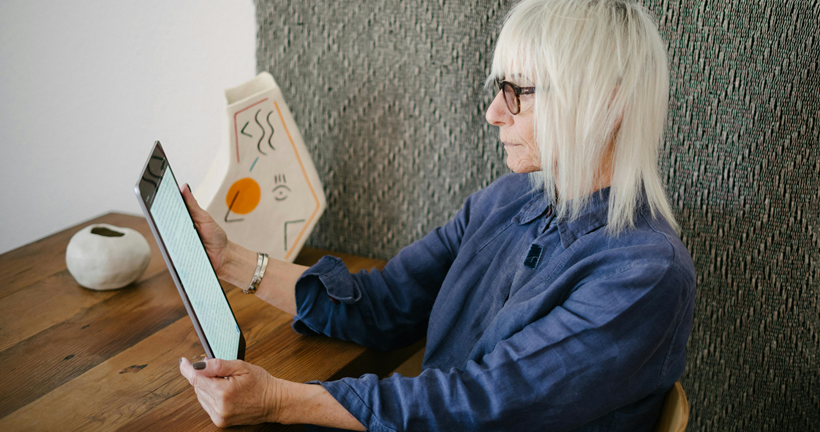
517,132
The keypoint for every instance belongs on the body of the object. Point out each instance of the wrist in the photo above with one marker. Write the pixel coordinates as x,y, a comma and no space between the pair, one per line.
239,264
227,259
312,404
283,408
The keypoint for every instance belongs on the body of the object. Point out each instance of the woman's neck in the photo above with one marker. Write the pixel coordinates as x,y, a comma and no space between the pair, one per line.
603,176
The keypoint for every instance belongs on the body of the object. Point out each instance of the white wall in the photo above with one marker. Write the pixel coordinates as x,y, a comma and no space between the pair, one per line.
87,86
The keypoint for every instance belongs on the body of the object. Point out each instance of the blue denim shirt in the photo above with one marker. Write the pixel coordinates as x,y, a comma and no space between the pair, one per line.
532,323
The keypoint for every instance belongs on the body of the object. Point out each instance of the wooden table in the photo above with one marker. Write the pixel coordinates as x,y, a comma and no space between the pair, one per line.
76,359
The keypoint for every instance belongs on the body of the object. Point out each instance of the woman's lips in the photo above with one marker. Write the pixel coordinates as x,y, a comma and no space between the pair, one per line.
506,144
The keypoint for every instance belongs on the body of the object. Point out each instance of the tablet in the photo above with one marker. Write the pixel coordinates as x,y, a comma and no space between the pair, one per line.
184,253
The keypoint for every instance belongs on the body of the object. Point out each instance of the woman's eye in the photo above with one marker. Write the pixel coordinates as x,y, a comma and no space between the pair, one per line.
281,192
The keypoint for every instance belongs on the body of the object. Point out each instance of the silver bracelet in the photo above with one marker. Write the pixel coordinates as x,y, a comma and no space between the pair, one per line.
261,265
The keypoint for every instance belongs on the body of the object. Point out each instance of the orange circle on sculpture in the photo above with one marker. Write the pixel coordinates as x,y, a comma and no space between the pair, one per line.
243,196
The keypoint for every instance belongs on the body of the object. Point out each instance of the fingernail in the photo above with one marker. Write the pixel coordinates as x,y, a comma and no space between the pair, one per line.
180,360
199,365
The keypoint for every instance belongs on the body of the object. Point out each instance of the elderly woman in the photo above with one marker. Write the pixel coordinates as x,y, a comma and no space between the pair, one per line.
556,300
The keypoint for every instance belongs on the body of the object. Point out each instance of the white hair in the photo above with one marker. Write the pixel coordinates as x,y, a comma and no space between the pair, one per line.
600,72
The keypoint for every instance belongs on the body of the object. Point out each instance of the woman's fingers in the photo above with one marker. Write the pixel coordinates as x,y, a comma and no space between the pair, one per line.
244,398
193,206
187,371
213,236
199,376
205,399
210,392
219,367
208,403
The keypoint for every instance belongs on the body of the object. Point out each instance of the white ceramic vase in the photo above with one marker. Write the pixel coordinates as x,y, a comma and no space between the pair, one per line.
105,257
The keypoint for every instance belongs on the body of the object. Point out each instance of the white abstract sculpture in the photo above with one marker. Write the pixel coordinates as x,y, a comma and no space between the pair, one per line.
262,188
105,257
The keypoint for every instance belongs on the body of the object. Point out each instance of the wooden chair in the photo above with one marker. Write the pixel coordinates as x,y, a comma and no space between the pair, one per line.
675,414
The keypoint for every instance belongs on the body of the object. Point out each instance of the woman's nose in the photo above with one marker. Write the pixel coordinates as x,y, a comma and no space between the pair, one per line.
497,112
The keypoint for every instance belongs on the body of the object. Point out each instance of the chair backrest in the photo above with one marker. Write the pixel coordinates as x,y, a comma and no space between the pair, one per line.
675,414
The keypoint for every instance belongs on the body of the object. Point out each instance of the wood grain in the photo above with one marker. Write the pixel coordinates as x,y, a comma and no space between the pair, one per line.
35,261
49,359
53,299
77,359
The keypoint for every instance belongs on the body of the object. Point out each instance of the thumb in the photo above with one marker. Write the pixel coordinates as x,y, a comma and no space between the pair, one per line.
190,200
217,367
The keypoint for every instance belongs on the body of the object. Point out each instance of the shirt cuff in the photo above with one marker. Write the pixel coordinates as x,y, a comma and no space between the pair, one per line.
315,428
326,283
353,402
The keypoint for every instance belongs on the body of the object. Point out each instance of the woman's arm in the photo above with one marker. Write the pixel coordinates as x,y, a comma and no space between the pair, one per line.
235,264
380,309
605,348
276,288
608,345
235,392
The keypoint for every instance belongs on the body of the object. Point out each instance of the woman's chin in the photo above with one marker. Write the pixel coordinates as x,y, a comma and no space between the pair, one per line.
520,167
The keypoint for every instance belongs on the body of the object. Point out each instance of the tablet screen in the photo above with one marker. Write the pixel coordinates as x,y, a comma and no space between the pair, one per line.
195,272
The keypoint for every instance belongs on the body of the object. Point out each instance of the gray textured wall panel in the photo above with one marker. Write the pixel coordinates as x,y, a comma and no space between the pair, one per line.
390,100
389,97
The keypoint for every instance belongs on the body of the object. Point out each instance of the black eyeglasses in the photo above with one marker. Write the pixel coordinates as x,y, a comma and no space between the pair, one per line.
512,94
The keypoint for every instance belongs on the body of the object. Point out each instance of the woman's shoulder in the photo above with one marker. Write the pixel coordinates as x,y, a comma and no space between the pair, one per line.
677,254
651,241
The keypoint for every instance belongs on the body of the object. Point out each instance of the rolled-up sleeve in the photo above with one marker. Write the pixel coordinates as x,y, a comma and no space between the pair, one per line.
603,348
379,309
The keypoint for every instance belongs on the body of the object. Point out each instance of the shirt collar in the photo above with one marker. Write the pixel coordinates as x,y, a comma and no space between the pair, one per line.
591,218
533,209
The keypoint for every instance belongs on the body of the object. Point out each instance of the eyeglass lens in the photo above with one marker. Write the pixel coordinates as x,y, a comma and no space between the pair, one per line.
509,96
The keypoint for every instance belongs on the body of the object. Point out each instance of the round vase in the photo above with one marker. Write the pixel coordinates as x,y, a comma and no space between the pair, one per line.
106,257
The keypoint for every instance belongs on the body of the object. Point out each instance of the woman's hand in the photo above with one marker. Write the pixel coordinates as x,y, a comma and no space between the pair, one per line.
233,392
213,236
